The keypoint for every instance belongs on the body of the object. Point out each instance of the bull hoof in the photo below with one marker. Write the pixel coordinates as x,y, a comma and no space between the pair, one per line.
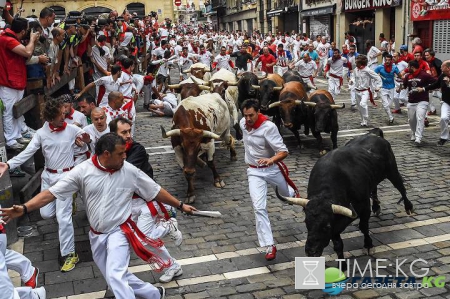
377,212
219,184
409,212
370,251
190,199
322,152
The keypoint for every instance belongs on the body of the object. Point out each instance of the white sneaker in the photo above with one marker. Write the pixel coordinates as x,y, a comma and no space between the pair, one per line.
40,293
174,232
23,140
172,272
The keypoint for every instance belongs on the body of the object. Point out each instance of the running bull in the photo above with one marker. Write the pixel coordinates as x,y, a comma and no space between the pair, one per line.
322,117
197,123
292,108
340,187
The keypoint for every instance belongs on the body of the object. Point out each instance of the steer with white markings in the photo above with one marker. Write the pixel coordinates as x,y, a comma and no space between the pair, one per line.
197,122
340,187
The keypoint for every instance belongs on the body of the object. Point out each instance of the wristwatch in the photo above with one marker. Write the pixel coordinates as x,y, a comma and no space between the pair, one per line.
180,207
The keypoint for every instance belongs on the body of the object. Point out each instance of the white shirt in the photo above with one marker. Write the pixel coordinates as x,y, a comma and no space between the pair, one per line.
127,39
158,52
263,142
113,114
95,134
163,66
110,85
186,62
178,50
78,119
57,147
127,89
322,50
362,78
401,65
101,60
372,55
107,196
223,62
306,69
337,67
205,58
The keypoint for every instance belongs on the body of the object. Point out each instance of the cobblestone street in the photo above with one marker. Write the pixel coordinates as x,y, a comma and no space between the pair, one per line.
221,257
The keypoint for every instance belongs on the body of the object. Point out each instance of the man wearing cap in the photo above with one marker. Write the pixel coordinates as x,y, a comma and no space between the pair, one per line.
405,55
57,140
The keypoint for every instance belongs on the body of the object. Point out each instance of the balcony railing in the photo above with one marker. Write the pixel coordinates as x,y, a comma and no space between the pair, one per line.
218,3
280,4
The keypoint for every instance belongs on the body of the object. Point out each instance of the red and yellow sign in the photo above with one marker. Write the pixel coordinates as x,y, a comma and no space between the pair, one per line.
425,10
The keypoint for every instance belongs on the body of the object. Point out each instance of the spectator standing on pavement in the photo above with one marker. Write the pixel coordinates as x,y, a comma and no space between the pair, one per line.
13,78
417,99
104,178
57,140
267,61
443,82
387,71
363,79
264,153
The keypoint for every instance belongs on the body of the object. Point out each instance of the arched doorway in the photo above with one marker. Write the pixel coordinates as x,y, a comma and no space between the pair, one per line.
60,12
138,8
95,11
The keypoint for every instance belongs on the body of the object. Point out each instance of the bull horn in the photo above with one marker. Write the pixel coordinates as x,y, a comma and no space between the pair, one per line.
207,70
174,132
278,88
204,87
292,200
340,210
174,86
311,104
338,106
232,83
256,86
261,78
195,81
273,105
298,102
208,134
186,71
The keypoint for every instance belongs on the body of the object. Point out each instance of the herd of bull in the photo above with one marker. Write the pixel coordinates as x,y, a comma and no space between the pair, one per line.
342,183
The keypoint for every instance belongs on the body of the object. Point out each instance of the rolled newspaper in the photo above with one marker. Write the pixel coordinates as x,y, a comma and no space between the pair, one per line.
212,214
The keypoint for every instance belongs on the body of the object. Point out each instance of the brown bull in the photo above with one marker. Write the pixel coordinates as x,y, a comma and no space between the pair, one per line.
188,89
292,109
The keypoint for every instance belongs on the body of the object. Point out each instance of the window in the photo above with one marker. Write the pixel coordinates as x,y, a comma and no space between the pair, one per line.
138,8
95,11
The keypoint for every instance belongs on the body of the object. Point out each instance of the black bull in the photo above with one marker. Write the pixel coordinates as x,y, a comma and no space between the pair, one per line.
340,187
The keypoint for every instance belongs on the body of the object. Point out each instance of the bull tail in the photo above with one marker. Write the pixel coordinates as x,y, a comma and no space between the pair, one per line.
377,132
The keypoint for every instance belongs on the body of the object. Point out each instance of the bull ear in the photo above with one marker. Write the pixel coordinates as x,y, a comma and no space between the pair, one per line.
256,86
340,210
338,106
292,200
310,104
174,132
275,104
278,88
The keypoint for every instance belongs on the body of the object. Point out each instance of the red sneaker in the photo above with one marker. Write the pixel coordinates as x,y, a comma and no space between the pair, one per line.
432,112
33,281
426,122
271,253
398,111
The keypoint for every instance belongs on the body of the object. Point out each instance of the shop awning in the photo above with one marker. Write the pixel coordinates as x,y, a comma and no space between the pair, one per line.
318,11
275,12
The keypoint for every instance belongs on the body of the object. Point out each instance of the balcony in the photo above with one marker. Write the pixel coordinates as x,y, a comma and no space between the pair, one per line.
218,3
281,4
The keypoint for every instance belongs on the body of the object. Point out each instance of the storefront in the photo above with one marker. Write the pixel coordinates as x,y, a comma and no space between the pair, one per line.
319,21
432,24
284,17
366,19
242,20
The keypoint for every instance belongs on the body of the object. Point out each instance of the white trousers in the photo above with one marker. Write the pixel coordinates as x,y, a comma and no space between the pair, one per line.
400,97
7,290
387,96
19,263
334,86
322,64
11,126
62,209
434,94
372,87
111,254
258,178
445,117
361,99
416,118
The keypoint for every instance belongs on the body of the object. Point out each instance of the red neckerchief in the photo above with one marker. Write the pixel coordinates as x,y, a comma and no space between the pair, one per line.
261,119
388,68
97,164
126,71
345,52
128,146
57,129
10,33
414,75
280,53
185,56
70,115
361,67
